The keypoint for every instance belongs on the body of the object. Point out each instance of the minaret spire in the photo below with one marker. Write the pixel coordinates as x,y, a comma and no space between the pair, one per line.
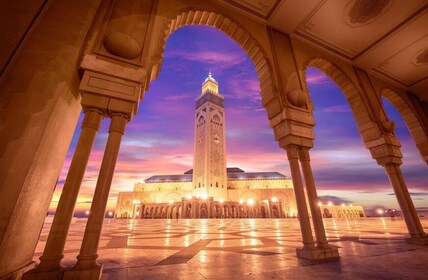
210,84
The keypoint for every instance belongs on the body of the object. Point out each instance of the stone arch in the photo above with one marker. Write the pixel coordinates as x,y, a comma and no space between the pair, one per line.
270,98
176,197
416,128
281,196
249,194
363,117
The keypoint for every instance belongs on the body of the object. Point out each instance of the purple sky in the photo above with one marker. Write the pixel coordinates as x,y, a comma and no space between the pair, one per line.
159,140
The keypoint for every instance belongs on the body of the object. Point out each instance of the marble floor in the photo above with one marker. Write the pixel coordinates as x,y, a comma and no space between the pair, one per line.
371,248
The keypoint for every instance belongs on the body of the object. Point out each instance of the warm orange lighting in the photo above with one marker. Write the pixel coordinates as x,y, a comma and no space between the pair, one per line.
221,200
171,201
110,213
274,199
343,204
330,203
189,196
319,204
204,196
87,212
379,211
241,201
250,201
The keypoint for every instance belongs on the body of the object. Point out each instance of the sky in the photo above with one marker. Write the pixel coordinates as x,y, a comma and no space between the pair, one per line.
159,140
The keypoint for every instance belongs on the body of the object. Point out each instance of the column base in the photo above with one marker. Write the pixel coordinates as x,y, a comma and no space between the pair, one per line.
417,240
93,273
318,254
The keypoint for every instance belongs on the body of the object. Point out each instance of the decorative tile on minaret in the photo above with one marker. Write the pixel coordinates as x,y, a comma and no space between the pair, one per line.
209,162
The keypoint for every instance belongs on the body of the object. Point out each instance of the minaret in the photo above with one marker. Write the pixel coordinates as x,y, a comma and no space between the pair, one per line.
209,158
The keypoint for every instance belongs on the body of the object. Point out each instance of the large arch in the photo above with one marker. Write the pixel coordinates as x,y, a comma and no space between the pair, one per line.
416,128
362,114
270,98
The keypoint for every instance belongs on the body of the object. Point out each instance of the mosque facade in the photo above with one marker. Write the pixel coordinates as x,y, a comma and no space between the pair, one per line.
210,189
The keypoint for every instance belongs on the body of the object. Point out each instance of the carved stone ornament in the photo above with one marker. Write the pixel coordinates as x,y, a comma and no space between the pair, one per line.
122,45
297,97
365,10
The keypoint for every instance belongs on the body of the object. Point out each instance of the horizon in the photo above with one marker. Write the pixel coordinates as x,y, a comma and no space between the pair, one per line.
343,169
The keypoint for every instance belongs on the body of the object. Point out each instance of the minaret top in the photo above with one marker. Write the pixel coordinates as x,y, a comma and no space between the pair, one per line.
210,84
210,77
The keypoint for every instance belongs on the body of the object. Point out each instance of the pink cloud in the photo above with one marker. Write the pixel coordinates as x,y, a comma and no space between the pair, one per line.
337,109
219,60
316,78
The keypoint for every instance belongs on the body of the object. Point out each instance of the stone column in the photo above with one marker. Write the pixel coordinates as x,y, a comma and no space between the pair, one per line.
417,234
313,198
87,266
305,225
53,253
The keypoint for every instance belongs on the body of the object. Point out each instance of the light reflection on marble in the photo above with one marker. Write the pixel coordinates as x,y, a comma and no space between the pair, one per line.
247,249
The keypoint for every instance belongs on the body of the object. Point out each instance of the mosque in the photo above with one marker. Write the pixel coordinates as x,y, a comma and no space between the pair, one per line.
58,58
210,189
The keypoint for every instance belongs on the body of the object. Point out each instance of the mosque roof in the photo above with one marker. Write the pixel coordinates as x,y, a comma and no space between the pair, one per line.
233,173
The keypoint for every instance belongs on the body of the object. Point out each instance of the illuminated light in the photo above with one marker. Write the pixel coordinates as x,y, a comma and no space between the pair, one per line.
189,196
241,201
87,212
343,204
171,201
350,205
204,196
394,210
319,204
379,211
274,199
386,211
330,203
221,200
250,201
109,213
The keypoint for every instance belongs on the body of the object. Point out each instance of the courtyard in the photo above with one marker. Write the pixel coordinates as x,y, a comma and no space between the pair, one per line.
371,248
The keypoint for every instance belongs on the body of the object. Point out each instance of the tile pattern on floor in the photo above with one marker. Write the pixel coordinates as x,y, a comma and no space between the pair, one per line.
371,248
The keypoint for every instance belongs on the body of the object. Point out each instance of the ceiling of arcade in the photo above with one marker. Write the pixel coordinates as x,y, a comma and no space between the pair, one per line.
387,38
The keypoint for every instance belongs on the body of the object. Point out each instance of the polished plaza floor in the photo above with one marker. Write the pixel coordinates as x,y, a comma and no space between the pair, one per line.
371,248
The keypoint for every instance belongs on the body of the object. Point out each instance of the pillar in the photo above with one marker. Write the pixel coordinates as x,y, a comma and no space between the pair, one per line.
417,234
313,198
305,226
87,266
50,261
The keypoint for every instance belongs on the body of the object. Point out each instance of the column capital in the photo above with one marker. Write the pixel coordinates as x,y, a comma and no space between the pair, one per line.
292,152
92,118
110,94
118,122
304,154
391,167
293,126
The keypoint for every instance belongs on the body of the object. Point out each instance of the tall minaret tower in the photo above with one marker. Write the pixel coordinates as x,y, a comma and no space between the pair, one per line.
209,158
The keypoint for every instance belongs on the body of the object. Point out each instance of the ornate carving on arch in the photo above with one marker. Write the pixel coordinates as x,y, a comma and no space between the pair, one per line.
365,10
236,32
